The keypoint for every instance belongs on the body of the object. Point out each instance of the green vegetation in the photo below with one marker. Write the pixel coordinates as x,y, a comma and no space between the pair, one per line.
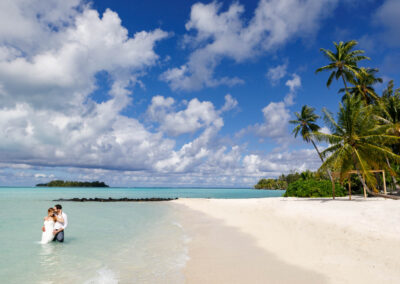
284,180
305,124
364,136
61,183
343,62
313,188
358,142
271,184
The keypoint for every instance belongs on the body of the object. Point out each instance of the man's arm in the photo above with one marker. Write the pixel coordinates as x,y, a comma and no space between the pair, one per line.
60,218
65,218
57,231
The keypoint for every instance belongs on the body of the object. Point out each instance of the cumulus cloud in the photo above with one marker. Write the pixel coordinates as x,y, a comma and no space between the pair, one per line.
63,74
29,25
226,166
50,54
195,116
274,164
47,116
275,74
48,120
226,34
277,116
230,103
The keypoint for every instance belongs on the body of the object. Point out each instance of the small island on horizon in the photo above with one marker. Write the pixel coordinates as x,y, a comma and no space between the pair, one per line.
62,183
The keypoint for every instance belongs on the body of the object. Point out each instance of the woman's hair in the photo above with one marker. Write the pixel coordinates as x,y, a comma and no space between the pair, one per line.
51,210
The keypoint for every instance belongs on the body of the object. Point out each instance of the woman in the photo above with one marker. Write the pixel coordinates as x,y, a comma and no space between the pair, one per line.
49,221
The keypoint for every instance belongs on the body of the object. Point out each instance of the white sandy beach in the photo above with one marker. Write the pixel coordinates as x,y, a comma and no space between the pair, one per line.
288,240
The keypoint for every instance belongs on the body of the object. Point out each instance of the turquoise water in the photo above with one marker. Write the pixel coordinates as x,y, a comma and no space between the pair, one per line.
104,242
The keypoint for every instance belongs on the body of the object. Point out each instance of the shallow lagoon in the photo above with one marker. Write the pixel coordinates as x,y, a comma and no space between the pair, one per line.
119,242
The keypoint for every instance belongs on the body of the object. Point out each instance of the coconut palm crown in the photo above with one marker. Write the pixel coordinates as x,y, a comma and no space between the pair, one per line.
363,85
305,123
357,142
343,61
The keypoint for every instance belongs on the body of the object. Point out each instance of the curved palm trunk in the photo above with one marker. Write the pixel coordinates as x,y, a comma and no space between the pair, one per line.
328,171
367,188
393,178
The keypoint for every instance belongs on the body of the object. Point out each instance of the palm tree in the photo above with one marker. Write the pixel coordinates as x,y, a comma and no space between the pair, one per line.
357,143
305,124
389,92
343,62
389,109
363,85
388,114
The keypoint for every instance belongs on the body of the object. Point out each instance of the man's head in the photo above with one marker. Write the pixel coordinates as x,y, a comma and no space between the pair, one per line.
58,208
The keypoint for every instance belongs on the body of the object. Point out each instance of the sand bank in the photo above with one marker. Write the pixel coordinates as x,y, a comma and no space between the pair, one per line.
287,240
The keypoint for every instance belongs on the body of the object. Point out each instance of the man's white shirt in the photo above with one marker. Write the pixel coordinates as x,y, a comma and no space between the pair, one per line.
60,225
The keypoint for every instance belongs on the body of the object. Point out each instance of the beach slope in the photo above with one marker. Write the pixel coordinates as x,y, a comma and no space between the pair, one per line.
289,240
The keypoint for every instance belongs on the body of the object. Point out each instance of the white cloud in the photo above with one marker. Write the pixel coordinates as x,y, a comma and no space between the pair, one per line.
230,103
325,130
47,116
64,74
386,19
275,74
225,34
100,138
43,176
30,25
196,115
274,164
277,116
388,16
225,166
51,128
293,85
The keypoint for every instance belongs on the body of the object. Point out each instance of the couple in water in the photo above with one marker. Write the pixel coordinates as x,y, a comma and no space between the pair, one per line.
54,225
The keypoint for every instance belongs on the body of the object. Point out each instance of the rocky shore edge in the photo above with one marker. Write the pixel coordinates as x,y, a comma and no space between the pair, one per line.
96,199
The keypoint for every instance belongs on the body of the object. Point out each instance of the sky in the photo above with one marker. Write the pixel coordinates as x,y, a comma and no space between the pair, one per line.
173,93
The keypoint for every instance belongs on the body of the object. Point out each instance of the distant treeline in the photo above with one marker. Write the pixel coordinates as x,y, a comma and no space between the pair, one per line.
283,181
62,183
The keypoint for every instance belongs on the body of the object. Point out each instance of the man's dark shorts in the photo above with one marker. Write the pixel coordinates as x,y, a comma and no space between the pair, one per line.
59,237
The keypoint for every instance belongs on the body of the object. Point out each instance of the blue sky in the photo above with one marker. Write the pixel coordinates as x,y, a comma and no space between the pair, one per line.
173,93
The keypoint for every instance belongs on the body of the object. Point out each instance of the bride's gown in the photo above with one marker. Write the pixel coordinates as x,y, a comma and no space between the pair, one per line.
47,235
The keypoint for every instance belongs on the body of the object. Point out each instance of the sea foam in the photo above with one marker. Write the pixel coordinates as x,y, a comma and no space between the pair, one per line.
104,276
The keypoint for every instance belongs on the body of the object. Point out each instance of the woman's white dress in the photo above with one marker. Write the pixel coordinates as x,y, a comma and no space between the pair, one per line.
47,235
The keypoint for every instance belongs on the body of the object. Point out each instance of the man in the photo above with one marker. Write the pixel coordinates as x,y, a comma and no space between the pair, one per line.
61,224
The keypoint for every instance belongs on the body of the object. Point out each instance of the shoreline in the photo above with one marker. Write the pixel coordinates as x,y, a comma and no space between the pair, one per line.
291,240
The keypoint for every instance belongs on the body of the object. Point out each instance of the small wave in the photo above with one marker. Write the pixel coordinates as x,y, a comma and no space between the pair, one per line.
177,224
182,259
104,276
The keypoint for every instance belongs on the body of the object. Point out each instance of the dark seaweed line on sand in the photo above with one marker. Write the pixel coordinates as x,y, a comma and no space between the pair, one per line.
96,199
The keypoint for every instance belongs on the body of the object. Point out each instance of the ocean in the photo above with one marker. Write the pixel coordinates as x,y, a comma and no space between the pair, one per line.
117,242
